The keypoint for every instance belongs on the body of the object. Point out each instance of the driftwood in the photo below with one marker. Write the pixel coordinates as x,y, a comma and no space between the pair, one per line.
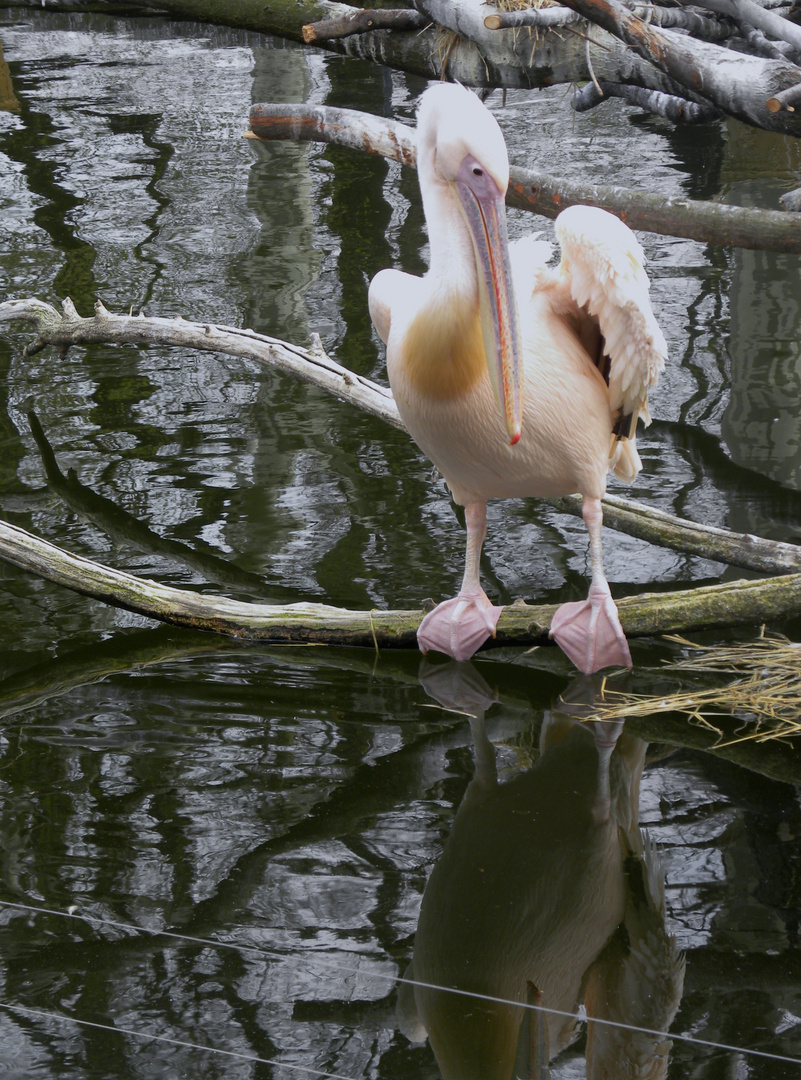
717,223
730,604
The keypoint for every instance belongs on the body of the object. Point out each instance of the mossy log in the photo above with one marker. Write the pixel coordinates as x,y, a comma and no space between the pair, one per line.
731,604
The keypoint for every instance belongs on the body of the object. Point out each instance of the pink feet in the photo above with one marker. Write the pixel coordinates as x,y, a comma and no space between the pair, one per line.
459,627
589,632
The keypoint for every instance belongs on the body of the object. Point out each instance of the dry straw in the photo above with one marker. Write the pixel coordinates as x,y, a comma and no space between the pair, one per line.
765,695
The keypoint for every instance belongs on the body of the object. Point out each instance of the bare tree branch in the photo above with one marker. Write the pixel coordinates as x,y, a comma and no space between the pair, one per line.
677,109
737,84
787,99
754,553
716,223
746,12
717,606
310,365
550,16
361,22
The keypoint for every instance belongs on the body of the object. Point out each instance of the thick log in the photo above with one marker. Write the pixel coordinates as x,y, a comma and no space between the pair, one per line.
708,222
700,26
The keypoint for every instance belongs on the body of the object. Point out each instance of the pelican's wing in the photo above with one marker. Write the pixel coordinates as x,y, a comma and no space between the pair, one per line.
603,267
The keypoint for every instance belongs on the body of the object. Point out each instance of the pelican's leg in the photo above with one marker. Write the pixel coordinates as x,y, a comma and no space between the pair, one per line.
459,627
589,631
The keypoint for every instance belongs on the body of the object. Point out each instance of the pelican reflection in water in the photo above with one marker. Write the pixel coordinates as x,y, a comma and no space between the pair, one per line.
516,380
546,893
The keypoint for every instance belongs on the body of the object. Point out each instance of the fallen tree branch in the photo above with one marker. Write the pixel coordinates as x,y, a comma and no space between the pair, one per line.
677,109
746,12
711,607
626,515
540,17
668,530
737,84
708,222
311,365
787,99
700,26
362,22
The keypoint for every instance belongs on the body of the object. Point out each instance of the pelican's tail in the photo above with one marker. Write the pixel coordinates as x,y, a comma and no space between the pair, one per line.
624,460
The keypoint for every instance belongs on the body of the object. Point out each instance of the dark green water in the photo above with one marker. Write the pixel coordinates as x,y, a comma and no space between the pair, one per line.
294,801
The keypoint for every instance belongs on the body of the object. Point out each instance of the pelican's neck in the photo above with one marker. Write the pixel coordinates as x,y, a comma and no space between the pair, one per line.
452,265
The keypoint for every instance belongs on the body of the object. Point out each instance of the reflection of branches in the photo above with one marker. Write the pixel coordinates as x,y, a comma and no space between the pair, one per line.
122,526
370,790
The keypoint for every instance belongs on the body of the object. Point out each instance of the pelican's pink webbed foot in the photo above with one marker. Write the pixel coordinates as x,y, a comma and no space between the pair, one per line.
459,627
589,632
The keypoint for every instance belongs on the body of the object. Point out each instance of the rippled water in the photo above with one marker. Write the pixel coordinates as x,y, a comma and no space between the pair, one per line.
294,802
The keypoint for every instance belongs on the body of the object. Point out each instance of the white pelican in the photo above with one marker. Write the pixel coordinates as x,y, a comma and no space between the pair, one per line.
513,379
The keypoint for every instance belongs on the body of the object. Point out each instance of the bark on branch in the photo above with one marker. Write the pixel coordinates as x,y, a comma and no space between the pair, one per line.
786,99
677,109
716,223
747,13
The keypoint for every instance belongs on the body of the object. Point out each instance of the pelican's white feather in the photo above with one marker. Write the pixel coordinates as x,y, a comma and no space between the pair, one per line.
605,266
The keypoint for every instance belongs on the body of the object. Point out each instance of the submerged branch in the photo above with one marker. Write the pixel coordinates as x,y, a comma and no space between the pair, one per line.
708,222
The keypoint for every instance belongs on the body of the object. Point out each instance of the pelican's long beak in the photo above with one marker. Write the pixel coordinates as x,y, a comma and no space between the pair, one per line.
482,203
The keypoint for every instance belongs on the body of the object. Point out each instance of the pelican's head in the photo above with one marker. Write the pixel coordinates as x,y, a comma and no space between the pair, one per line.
460,144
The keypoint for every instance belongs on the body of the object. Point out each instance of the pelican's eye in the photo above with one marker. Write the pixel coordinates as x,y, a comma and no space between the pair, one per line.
477,171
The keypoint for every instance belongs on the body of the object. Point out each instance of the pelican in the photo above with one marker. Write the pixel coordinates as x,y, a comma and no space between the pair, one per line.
516,380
